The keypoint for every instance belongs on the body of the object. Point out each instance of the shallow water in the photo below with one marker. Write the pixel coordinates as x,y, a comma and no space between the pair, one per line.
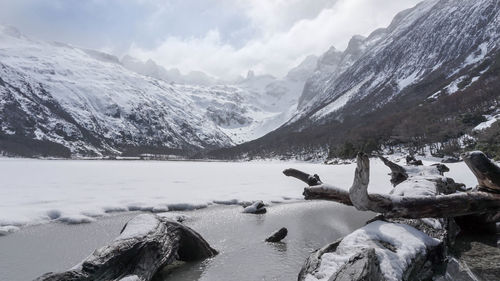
238,237
34,250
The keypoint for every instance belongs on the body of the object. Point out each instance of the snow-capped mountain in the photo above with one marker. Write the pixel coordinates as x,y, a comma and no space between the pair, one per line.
173,75
272,100
435,50
434,38
57,99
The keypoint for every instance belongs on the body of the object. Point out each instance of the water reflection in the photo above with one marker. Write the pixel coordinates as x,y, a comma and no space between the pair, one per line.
240,240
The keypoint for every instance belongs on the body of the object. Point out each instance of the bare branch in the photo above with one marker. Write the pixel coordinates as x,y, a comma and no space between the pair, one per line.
327,192
452,205
424,199
398,173
486,172
305,177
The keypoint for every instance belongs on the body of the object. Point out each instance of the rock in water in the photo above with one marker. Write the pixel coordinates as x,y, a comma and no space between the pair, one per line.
278,235
257,207
146,244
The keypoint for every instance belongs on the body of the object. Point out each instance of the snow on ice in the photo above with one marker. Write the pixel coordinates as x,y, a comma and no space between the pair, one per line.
76,191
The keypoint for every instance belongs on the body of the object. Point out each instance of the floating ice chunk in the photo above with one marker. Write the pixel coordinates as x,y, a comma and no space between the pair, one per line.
75,219
256,208
114,209
4,230
227,202
186,206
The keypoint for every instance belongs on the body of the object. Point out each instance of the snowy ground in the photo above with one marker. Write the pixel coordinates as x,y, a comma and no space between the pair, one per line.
78,191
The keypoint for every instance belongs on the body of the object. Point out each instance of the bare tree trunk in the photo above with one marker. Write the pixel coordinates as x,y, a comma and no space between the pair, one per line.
443,203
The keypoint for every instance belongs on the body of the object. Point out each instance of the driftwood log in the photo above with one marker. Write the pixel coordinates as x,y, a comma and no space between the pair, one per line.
147,243
414,195
416,227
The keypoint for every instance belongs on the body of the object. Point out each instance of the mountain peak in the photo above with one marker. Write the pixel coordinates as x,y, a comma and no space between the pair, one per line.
10,31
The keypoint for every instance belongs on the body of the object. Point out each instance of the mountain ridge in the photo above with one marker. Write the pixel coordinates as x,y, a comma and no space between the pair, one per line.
433,50
60,100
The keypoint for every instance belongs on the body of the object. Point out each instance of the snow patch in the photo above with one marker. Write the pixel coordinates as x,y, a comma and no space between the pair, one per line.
408,80
76,219
139,226
340,101
131,278
490,120
478,55
407,240
4,230
62,190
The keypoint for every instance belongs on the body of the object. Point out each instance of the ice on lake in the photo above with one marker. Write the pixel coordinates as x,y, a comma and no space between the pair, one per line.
77,191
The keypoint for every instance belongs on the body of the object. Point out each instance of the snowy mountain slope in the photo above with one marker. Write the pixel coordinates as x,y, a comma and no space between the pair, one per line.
435,37
270,101
436,50
60,100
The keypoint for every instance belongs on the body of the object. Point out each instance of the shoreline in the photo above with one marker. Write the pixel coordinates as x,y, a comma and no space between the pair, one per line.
239,237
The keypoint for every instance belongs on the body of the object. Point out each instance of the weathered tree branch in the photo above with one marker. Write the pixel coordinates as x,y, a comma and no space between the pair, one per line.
319,190
327,192
398,173
486,172
311,180
146,244
419,204
451,205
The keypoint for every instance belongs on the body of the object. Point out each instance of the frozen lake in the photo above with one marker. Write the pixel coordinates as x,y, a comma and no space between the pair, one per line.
76,191
34,192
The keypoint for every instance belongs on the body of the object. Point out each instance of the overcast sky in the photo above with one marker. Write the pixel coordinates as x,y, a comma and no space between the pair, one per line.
221,37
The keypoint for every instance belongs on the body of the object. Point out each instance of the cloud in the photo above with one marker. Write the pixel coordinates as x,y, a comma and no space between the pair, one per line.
221,37
285,32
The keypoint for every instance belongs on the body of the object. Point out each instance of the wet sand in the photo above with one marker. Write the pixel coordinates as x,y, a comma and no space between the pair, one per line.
238,237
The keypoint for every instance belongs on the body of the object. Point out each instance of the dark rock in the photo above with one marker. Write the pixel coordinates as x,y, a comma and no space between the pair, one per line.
450,159
411,160
278,235
257,207
441,168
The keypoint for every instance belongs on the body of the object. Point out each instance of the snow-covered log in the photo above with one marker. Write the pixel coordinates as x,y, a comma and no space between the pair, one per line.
425,193
411,238
146,244
382,250
420,192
